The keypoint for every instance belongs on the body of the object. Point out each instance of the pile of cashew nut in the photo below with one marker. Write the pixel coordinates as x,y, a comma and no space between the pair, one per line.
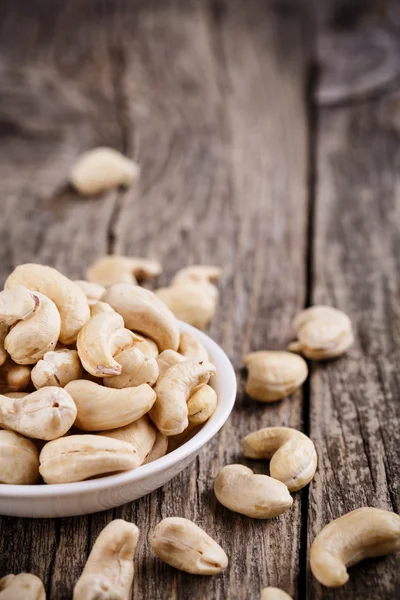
98,368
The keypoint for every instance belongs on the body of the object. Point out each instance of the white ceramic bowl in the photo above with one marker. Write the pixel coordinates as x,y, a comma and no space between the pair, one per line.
84,497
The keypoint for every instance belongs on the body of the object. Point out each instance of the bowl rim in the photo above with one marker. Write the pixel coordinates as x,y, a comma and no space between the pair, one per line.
227,395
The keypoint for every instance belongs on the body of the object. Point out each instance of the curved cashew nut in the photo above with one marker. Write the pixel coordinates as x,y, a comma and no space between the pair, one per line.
191,347
201,406
57,368
98,341
78,457
19,459
274,593
13,377
136,369
274,375
45,414
112,269
323,332
31,338
185,546
147,347
173,389
141,434
362,533
16,304
101,169
24,586
198,273
257,496
142,311
293,455
191,301
159,449
107,408
108,572
69,298
100,307
93,291
167,359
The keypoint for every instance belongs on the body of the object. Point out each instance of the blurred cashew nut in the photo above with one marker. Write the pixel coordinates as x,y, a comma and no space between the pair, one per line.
93,291
24,586
191,348
274,593
190,301
112,269
13,377
19,459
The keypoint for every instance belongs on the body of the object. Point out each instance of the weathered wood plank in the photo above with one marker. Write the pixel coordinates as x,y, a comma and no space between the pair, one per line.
355,414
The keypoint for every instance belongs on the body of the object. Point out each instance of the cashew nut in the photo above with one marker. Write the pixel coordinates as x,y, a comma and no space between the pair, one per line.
57,368
100,307
191,347
323,332
106,408
257,496
362,533
69,298
16,304
142,311
102,169
198,273
136,369
167,359
201,406
93,291
19,459
108,572
147,347
109,270
98,341
3,335
185,546
13,377
274,375
173,389
293,455
159,449
190,301
45,414
24,586
78,457
141,434
273,593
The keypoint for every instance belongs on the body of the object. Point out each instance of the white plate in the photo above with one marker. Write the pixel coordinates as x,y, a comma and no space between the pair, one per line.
84,497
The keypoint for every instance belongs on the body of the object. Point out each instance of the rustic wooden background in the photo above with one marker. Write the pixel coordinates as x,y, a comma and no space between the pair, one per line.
269,139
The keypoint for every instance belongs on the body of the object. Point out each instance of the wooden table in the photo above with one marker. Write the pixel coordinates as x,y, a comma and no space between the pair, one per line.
268,135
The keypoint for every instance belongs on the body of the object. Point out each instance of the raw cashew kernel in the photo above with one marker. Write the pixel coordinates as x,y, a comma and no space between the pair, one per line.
13,377
257,496
293,456
57,368
29,339
142,311
93,291
78,457
105,408
16,304
23,586
198,273
100,307
191,347
45,414
136,369
190,301
147,347
274,375
185,546
108,572
19,459
69,298
159,449
201,405
323,332
141,434
173,389
167,359
362,533
112,269
99,340
102,169
274,593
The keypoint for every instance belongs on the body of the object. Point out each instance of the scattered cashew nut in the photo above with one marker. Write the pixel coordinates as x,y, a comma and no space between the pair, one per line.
19,459
257,496
136,369
13,377
141,434
191,348
101,408
108,573
24,586
293,456
192,302
363,533
57,368
274,593
323,332
112,269
185,546
102,169
69,298
274,375
198,274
